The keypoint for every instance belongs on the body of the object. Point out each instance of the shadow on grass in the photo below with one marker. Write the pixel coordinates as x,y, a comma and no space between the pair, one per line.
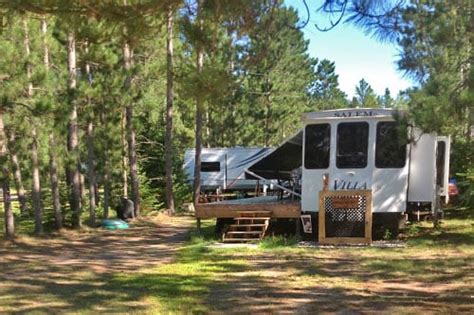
200,279
425,270
459,213
454,233
443,238
180,286
457,229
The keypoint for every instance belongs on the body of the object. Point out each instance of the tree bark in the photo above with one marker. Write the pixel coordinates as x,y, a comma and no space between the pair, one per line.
82,186
267,112
124,155
199,115
131,137
169,115
132,157
91,173
107,189
53,174
5,184
36,184
44,31
208,128
198,147
53,165
73,137
20,189
35,172
92,180
107,171
26,42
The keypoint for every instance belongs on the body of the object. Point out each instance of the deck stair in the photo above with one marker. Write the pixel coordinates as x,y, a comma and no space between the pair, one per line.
249,226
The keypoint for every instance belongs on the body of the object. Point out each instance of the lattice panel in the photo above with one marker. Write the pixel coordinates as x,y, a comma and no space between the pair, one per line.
345,222
347,216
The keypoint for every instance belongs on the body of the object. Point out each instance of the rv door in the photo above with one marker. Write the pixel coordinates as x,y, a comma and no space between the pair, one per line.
353,166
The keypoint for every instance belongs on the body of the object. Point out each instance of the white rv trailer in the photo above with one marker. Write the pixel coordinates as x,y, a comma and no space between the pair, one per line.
223,168
363,149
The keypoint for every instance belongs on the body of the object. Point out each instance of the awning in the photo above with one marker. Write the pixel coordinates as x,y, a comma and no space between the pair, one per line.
281,161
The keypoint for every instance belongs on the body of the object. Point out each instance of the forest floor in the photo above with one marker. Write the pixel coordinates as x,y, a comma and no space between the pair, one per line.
162,266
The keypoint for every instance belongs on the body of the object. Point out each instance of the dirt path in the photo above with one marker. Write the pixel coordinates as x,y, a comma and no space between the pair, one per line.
335,281
144,244
46,271
135,271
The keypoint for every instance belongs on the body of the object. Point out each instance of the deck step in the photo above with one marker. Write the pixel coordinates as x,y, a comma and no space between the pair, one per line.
248,225
243,232
241,240
251,218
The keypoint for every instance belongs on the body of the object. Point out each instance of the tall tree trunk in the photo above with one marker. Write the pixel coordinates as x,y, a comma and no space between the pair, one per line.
5,184
233,130
26,42
132,157
107,171
73,137
91,172
107,177
44,31
198,147
20,189
267,112
208,128
53,165
92,180
124,155
36,184
53,174
131,137
82,187
169,115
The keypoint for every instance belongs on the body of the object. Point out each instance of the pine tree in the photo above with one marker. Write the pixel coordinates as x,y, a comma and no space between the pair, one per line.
365,95
36,182
73,133
169,113
324,90
12,148
278,73
5,182
199,110
386,101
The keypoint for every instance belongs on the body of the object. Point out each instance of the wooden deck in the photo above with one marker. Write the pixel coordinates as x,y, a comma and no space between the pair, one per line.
279,209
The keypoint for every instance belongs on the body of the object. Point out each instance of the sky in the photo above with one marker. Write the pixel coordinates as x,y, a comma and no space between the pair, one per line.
356,55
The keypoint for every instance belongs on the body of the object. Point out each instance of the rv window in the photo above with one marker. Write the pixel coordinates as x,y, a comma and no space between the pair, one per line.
440,156
317,140
210,166
391,146
352,143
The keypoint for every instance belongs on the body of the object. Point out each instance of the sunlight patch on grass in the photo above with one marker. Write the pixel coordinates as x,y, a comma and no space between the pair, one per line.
205,279
184,285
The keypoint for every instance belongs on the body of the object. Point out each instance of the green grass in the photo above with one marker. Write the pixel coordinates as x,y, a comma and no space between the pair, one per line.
457,230
184,285
278,242
25,225
203,277
434,273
